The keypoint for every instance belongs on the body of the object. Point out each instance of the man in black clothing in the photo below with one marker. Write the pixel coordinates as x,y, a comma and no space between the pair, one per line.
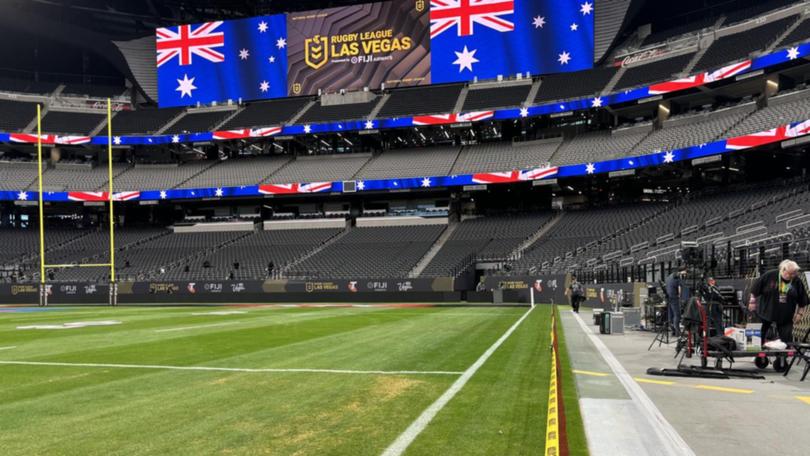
779,298
675,292
576,291
714,305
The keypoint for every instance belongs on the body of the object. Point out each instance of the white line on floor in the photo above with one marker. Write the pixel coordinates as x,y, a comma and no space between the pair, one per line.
672,442
230,369
184,328
405,439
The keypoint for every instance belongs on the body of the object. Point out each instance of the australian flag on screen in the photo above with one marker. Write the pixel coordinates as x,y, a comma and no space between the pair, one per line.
487,38
222,60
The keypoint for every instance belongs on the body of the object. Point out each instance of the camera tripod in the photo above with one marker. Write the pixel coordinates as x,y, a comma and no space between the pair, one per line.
662,336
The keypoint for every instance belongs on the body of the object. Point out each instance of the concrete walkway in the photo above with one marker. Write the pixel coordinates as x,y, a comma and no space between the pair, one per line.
627,412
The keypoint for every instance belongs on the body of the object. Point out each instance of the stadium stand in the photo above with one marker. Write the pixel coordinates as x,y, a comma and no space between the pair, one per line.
158,177
744,14
71,122
496,97
492,157
693,129
739,46
598,145
142,121
27,85
574,85
157,257
421,100
93,90
17,175
266,113
423,162
319,169
685,28
81,177
330,113
790,107
604,236
371,252
16,115
799,34
660,70
490,238
235,172
575,230
20,245
198,121
254,253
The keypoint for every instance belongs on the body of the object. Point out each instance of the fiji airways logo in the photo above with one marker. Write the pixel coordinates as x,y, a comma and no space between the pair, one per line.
316,51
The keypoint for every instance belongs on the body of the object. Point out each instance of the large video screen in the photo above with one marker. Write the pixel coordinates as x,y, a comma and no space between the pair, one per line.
394,43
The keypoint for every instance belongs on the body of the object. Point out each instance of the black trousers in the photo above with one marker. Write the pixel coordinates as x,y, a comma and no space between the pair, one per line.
575,302
716,318
784,330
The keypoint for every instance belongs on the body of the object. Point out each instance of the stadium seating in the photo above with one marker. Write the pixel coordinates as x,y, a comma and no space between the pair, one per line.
493,157
157,257
198,121
16,115
71,122
758,9
17,175
93,90
423,162
496,97
333,113
799,34
574,85
490,238
685,28
319,169
781,110
692,130
266,113
254,253
575,230
378,252
64,177
660,70
600,145
26,85
631,232
159,177
236,172
142,121
738,46
421,100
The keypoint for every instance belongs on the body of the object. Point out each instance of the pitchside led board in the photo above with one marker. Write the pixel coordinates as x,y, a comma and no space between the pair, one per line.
396,43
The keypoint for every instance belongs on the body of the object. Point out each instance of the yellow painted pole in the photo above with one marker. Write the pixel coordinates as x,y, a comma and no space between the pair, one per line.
112,198
41,209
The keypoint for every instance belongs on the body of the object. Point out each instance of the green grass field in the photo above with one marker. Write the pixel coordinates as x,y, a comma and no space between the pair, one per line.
119,390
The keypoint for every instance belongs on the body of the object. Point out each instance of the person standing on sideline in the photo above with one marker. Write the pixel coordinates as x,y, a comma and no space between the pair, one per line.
778,298
674,289
576,292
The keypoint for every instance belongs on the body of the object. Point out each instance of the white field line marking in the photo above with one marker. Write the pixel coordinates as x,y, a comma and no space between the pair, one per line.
671,442
230,369
184,328
7,348
405,439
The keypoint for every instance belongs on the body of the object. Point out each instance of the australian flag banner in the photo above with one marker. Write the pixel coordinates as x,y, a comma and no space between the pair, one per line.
487,38
222,60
